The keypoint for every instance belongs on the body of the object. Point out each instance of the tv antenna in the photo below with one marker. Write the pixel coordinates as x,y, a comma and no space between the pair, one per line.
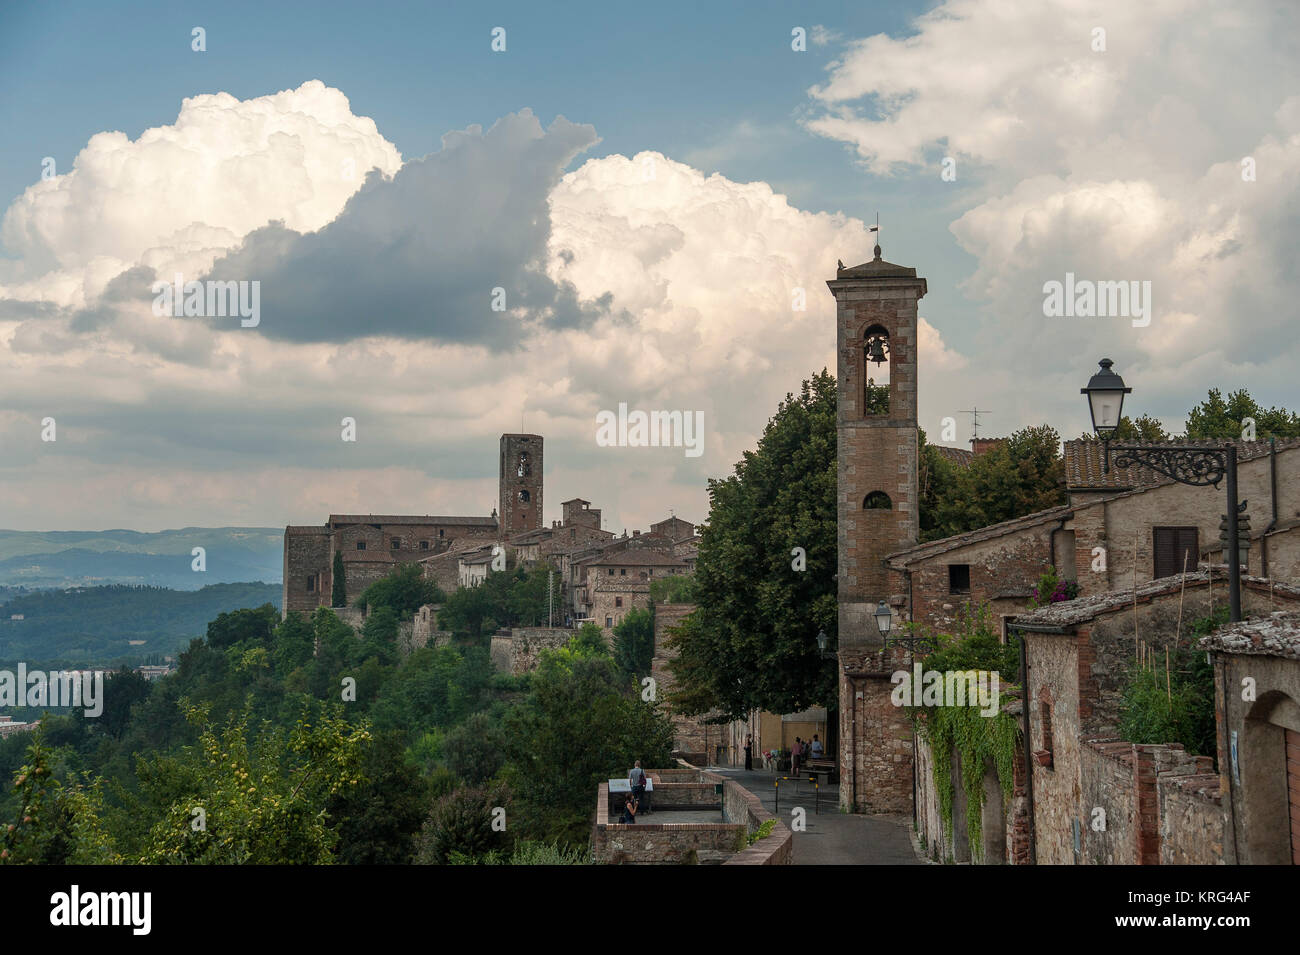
975,420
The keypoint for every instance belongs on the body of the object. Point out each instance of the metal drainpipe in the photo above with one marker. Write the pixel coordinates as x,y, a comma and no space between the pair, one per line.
1272,475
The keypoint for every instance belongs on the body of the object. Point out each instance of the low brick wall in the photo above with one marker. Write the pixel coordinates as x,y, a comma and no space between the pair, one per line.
659,843
671,796
739,803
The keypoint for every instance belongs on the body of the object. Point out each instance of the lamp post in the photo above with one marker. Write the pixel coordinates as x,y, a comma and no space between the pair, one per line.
1190,464
822,641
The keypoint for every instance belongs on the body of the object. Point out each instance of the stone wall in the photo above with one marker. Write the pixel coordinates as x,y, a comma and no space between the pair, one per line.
520,651
1191,819
660,843
875,735
306,554
1003,572
740,805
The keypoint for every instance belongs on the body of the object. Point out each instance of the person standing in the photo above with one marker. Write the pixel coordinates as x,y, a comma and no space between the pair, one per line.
636,780
749,752
795,752
817,751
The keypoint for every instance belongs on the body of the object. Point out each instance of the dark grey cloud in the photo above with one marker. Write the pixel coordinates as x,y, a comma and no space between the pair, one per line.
418,256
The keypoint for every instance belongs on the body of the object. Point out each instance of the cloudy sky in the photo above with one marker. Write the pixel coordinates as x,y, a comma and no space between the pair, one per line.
648,190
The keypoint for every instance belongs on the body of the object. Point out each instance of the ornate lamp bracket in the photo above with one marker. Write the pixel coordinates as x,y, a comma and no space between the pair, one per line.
1197,466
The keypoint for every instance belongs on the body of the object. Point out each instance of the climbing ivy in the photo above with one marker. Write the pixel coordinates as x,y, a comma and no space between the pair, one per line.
978,739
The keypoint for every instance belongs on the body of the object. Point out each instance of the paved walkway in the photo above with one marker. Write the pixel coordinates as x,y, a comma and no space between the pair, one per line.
832,837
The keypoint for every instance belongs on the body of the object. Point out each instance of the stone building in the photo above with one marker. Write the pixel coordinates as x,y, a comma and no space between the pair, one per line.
619,581
1257,675
1119,525
876,514
375,545
1158,802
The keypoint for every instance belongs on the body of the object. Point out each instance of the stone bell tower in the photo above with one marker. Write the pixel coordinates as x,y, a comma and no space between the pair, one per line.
876,504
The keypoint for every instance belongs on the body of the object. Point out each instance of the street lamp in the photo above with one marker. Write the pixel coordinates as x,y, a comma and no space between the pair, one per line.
822,640
1190,464
1105,393
884,618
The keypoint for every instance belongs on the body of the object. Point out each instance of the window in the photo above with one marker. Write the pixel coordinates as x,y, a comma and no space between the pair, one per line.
609,621
572,533
1170,546
618,601
524,468
311,584
523,496
397,543
875,367
877,501
440,531
1044,755
959,578
424,545
361,545
622,571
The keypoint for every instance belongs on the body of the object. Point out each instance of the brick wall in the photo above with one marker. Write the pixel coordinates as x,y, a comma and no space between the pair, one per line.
874,452
306,553
875,735
1001,572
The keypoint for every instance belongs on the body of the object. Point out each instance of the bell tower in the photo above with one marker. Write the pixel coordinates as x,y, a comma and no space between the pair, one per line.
520,483
876,514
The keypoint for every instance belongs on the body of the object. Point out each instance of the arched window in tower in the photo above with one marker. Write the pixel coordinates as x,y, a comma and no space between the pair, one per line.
875,368
877,501
524,496
525,467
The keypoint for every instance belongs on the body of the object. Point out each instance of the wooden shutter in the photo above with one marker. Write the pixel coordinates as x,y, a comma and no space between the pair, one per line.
1170,545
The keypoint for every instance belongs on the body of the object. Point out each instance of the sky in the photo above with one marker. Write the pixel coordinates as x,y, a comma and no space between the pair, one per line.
621,206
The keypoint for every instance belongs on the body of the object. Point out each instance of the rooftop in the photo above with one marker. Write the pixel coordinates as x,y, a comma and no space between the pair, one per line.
411,519
1084,462
1277,635
1068,613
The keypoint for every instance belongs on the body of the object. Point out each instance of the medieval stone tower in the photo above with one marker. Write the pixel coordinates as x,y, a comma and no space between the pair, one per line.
876,318
520,483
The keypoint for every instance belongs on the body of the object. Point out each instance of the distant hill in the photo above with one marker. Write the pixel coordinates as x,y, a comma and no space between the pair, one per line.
62,559
96,625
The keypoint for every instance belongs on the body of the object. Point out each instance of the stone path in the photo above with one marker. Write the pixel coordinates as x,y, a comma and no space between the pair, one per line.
832,837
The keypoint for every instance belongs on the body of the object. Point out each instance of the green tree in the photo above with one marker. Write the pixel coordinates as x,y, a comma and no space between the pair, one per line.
404,591
1217,418
123,690
677,589
473,750
54,824
634,642
239,627
339,589
263,793
1022,475
378,820
751,642
579,725
461,824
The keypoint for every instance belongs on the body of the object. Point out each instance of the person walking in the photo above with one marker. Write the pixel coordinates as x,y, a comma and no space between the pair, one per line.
749,752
